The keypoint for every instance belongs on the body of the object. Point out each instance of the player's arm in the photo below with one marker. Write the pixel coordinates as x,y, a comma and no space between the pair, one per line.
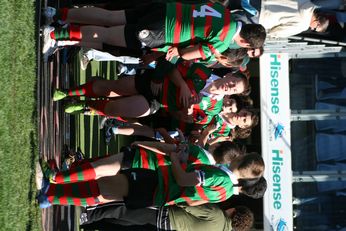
187,53
219,139
185,93
202,140
166,137
184,179
190,53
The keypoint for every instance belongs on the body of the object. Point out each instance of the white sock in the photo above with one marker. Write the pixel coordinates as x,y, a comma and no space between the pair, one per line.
115,130
62,43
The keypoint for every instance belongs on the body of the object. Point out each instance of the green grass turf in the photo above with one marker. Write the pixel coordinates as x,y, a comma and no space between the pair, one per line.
18,125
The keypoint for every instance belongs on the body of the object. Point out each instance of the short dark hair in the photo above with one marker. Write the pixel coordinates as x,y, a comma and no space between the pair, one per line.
254,188
227,151
254,34
242,219
254,161
235,57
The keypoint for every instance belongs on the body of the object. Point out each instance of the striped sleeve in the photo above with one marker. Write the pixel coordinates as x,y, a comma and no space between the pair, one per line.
206,51
217,186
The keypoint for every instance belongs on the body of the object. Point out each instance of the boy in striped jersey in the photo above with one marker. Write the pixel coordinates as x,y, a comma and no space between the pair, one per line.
209,107
227,122
146,155
198,184
191,31
202,114
180,88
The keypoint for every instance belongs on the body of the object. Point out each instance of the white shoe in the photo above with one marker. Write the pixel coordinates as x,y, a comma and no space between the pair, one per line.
83,58
48,42
49,13
102,121
38,176
50,52
83,218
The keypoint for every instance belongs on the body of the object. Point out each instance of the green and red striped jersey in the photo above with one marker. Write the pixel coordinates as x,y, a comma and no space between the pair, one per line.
168,190
209,25
204,112
195,76
222,128
147,159
198,155
216,186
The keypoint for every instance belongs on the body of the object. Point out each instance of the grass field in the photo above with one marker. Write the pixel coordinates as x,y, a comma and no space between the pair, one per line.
18,117
18,125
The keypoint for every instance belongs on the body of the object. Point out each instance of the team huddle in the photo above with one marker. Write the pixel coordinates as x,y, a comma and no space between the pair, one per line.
193,160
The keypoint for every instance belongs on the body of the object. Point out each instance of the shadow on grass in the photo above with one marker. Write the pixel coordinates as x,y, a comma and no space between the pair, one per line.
32,189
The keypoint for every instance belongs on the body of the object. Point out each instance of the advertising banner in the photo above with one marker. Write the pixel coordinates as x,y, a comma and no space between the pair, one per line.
275,132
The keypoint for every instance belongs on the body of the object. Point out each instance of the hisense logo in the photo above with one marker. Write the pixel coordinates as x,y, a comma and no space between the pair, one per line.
280,225
279,130
275,67
277,162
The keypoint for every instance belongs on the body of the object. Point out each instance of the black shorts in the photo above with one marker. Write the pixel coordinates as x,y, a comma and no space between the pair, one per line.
142,187
145,26
142,85
129,155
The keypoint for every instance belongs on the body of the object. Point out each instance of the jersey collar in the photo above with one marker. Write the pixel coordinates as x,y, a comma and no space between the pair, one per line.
232,177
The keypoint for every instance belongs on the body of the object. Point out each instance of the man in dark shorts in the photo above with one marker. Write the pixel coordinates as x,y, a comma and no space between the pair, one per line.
203,217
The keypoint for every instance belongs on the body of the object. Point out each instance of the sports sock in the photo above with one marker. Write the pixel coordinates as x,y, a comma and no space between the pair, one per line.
83,172
72,32
83,90
80,193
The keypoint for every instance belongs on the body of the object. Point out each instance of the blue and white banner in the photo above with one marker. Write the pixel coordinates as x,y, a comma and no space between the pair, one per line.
276,141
